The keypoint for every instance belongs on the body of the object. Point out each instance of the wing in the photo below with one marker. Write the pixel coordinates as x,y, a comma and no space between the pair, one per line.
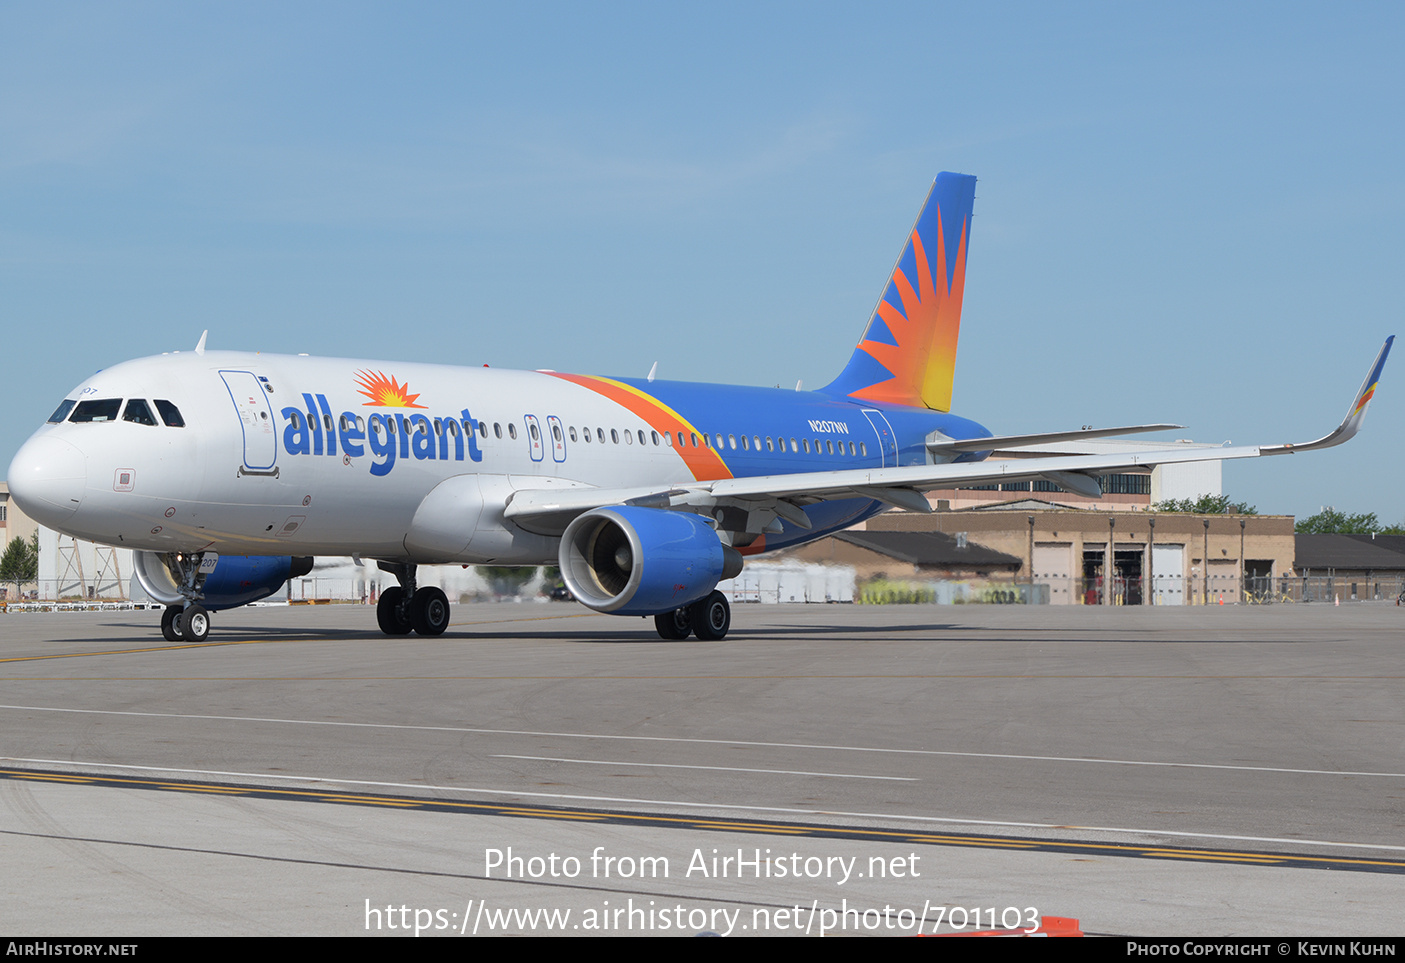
1002,442
767,497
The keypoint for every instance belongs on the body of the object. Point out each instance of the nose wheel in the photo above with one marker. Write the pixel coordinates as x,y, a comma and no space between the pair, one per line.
184,618
185,623
170,623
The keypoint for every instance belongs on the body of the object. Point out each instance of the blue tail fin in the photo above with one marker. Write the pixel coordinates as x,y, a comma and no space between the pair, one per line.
907,355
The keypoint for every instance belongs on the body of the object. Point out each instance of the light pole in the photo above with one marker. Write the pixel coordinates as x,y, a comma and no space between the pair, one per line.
1150,560
1031,557
1241,562
1205,566
1110,568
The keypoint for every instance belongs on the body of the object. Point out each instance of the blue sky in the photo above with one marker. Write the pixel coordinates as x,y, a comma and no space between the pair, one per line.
1192,213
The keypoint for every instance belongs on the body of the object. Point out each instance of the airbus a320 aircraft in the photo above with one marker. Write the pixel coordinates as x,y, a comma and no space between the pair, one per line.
227,472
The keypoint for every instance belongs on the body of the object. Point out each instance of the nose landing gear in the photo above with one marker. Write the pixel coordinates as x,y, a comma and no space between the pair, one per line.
186,621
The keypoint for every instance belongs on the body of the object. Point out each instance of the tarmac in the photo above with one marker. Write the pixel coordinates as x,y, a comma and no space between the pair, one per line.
825,769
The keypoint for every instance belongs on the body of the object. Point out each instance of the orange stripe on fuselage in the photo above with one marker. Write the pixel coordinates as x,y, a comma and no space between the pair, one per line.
703,462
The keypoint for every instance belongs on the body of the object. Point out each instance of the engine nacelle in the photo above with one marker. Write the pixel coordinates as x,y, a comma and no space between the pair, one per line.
236,580
643,561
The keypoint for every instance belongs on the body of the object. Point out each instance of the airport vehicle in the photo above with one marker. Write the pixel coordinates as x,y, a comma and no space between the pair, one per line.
227,472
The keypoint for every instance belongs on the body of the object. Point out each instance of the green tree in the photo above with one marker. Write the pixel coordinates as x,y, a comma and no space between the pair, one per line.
20,563
1205,505
1329,521
507,579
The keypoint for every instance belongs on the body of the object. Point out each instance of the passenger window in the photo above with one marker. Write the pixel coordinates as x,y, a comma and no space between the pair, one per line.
667,439
327,422
512,430
600,435
497,430
61,412
756,442
389,425
770,446
104,410
806,443
863,449
614,436
745,446
851,450
573,433
694,437
629,437
483,429
793,445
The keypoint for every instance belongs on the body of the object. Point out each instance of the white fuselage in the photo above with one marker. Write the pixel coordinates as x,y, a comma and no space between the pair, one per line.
283,455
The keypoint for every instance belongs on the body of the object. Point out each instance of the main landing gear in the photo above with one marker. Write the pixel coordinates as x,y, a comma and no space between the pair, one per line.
406,608
708,619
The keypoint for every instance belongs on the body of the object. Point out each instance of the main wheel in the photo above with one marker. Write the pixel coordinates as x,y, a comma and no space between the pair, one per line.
390,614
429,611
676,625
195,624
711,618
170,623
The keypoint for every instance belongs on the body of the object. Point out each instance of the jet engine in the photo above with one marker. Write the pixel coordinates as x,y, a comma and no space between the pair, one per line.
236,579
628,560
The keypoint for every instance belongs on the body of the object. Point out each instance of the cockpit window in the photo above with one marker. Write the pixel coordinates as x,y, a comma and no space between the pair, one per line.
61,412
170,414
99,410
138,411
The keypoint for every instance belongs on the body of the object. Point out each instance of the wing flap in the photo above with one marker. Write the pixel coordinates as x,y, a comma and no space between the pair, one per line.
1001,442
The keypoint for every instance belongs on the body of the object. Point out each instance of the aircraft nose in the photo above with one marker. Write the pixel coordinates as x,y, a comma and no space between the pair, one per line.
47,478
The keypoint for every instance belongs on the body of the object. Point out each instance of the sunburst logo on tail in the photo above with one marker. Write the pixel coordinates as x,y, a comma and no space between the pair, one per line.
385,392
908,352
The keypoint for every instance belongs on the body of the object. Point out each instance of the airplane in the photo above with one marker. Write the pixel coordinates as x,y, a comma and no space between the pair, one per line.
227,472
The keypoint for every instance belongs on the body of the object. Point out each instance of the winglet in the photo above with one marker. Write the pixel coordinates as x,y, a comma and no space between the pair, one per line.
1355,416
200,346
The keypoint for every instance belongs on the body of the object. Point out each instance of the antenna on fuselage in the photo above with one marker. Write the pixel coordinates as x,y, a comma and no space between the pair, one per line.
200,346
653,371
